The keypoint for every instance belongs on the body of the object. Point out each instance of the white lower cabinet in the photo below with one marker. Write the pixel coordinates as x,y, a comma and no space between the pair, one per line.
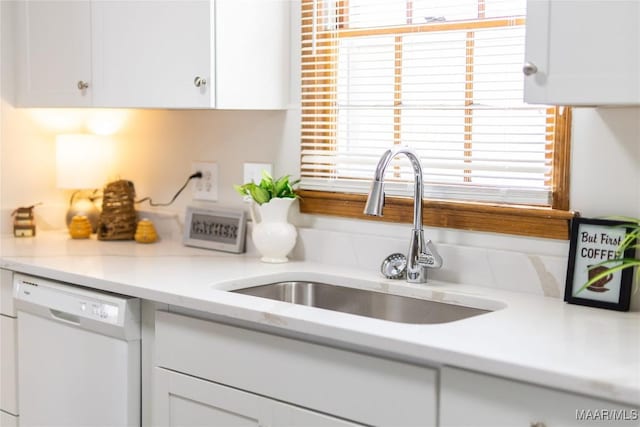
8,420
8,353
208,373
474,399
187,401
8,366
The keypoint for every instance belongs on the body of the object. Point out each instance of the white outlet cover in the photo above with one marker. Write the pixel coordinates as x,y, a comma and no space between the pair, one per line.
205,188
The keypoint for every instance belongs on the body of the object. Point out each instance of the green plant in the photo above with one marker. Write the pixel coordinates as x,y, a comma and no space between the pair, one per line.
630,242
268,188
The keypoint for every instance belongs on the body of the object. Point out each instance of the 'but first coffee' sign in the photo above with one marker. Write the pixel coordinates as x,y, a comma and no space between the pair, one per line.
592,242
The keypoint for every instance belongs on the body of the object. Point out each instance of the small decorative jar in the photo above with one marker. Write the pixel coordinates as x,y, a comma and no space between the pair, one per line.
145,232
80,227
24,224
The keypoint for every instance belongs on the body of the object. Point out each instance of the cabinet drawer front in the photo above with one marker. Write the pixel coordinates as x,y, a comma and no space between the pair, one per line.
495,402
6,293
354,386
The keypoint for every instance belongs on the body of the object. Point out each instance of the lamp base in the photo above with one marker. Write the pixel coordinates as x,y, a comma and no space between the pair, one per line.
87,208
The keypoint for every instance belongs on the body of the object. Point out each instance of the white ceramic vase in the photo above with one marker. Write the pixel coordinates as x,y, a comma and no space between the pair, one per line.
273,235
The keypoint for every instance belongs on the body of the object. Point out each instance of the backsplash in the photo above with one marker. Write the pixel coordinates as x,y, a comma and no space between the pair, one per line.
538,268
539,274
509,270
531,266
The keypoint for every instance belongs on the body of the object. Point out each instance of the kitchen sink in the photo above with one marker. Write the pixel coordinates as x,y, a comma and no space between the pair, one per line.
363,302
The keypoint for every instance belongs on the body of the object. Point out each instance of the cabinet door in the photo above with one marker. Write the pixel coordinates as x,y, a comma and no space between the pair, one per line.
284,415
252,54
185,401
584,52
7,420
473,399
8,366
150,53
330,380
54,53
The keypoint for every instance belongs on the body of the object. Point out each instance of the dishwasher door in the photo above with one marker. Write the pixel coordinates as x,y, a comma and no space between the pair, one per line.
79,356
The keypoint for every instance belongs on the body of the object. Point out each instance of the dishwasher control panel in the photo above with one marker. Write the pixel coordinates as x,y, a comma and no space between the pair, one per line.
99,310
76,305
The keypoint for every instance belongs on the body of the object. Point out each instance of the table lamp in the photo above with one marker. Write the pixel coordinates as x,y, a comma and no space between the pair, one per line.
81,165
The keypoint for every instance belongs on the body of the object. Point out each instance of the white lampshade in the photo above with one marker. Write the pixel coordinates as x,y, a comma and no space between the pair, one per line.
82,161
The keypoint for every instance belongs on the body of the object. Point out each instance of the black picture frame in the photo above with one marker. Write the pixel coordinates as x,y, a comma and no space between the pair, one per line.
593,241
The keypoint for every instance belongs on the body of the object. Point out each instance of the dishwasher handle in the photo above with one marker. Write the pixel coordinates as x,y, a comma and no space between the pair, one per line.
64,317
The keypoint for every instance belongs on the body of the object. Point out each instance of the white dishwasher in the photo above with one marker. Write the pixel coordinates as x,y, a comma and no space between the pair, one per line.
78,355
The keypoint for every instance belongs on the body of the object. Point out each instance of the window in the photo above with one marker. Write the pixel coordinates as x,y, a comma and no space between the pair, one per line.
444,77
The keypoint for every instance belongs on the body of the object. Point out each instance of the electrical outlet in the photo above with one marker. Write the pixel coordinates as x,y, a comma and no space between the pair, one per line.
206,188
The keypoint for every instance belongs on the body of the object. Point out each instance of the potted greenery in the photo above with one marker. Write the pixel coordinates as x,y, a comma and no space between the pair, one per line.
631,241
272,234
268,189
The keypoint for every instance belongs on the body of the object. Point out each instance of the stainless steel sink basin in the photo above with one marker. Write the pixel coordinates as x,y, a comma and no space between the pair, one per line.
363,302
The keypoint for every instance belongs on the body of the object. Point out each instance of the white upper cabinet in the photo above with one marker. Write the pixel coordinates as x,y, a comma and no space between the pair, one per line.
54,53
583,52
252,53
227,54
148,53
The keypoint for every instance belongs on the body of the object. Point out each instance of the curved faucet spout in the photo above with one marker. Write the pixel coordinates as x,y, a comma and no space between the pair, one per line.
375,201
420,256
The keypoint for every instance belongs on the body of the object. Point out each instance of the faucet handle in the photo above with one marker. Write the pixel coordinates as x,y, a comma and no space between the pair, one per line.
430,257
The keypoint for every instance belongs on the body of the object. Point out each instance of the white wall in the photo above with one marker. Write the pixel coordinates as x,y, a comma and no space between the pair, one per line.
605,172
155,149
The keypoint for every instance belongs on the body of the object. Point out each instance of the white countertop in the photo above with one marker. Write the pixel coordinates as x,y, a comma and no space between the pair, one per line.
535,339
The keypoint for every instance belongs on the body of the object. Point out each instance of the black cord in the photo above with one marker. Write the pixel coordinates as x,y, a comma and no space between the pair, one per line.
195,175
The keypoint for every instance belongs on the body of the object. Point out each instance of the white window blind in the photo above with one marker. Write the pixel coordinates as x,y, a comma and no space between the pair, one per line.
442,76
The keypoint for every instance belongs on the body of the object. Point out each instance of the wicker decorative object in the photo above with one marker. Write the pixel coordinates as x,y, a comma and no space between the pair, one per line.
118,218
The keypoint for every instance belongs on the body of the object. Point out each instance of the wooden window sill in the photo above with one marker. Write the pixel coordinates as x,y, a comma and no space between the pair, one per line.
517,220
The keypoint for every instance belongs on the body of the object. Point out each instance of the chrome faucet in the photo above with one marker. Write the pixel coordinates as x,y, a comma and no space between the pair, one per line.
420,256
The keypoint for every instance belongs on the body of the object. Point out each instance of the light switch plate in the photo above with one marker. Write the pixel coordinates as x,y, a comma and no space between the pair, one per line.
206,188
253,171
